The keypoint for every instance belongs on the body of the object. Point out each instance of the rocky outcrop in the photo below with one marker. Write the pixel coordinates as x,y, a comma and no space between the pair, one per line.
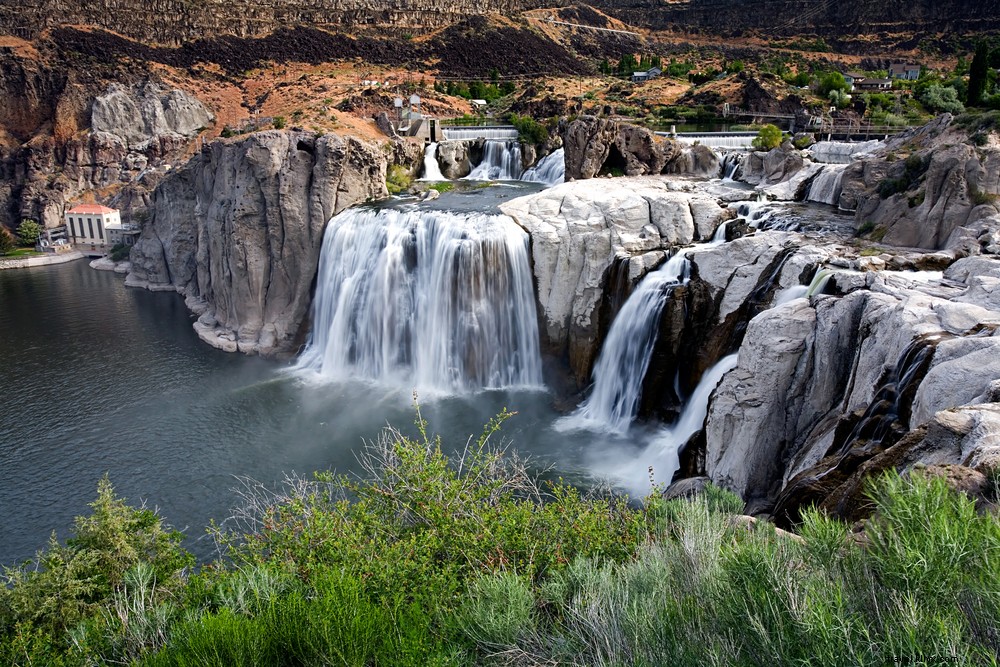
578,230
66,137
827,388
238,231
928,188
454,158
599,146
140,114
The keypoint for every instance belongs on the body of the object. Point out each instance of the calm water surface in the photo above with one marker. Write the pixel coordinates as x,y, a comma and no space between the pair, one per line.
98,378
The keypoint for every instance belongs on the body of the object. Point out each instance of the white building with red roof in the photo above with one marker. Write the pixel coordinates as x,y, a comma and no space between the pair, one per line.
88,225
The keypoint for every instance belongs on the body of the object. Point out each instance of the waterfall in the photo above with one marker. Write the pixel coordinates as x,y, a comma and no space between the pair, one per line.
667,445
501,162
825,186
842,152
550,170
454,133
434,299
432,171
732,165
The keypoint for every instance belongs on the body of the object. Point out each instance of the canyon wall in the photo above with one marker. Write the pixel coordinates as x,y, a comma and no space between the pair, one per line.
238,231
179,21
794,17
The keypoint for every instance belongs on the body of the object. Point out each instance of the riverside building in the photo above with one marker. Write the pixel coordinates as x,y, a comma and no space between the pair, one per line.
87,226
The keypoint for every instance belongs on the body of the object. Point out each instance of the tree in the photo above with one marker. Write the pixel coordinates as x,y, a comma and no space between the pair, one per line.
978,72
832,81
28,232
938,98
769,137
839,98
6,241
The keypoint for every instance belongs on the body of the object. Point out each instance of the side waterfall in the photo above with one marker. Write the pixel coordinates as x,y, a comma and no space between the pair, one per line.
432,171
550,170
825,186
625,355
434,299
501,162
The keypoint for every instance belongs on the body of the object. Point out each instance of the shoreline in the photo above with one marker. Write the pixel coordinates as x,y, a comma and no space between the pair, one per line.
46,260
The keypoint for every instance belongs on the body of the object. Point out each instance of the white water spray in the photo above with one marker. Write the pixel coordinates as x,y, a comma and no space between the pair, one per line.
430,299
432,171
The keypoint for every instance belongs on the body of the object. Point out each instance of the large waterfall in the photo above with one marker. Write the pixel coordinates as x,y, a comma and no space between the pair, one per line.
550,170
501,162
437,300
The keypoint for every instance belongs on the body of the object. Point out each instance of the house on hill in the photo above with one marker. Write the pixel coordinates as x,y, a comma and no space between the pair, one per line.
906,71
649,74
873,84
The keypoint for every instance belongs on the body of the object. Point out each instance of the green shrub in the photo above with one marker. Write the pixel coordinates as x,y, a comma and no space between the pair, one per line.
397,179
119,252
768,138
28,232
937,98
279,122
443,186
529,130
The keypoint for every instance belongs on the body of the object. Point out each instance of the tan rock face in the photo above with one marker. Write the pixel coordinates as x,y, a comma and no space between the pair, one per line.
238,231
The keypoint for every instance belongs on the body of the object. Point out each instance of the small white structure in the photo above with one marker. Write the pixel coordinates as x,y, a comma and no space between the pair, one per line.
87,225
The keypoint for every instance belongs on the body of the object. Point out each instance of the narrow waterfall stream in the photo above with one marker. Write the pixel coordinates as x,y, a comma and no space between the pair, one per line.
825,186
624,359
437,299
432,171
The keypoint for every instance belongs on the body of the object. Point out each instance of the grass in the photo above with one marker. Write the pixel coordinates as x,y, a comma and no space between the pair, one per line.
23,252
468,560
443,186
397,179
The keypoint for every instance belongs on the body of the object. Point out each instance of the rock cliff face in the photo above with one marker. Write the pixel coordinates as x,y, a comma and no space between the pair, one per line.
790,17
928,188
176,21
64,136
599,146
238,231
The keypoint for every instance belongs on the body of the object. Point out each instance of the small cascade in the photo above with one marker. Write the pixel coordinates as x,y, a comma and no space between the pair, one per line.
501,162
433,299
825,186
720,234
731,141
498,133
732,165
550,170
757,213
819,282
625,355
666,447
432,171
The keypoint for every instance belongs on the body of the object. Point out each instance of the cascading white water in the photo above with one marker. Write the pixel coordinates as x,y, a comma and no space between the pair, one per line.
624,359
432,171
732,165
501,162
550,170
721,140
663,452
842,152
825,186
434,299
478,132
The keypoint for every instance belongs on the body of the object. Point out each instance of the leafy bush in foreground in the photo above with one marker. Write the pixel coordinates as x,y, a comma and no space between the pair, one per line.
466,560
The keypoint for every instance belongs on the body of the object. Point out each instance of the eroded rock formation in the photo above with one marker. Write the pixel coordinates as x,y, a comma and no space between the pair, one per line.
238,231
